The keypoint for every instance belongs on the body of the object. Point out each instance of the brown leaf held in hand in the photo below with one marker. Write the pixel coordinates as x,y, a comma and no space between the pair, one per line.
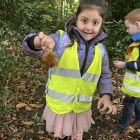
50,59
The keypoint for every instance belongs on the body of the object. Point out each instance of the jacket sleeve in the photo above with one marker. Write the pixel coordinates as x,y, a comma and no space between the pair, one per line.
105,83
27,49
133,65
30,50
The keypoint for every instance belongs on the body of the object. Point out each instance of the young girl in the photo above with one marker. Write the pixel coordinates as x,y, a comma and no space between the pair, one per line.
82,67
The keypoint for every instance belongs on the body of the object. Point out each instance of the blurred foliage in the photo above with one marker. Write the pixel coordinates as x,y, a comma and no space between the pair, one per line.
24,16
119,8
117,40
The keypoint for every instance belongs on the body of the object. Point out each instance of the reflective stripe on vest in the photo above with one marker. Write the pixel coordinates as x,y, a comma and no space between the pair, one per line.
131,81
68,97
74,74
67,90
132,76
132,88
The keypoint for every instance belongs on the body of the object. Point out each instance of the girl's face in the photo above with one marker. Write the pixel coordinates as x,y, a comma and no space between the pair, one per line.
89,23
132,28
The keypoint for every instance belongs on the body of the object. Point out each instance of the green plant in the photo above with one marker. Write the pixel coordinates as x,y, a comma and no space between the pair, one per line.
119,8
117,40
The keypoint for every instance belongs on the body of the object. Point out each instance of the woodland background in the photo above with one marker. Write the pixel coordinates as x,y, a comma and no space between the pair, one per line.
22,78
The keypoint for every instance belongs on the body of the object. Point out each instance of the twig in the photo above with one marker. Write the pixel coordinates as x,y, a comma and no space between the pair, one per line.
7,82
8,128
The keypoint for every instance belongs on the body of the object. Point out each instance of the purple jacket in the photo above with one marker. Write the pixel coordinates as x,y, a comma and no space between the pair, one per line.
85,54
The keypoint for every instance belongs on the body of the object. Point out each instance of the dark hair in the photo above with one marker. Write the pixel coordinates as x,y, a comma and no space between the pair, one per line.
85,4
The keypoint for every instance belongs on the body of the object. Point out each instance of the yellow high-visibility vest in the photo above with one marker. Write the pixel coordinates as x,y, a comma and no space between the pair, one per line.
131,81
67,89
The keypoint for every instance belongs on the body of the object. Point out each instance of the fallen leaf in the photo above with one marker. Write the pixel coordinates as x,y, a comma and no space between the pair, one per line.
29,108
27,122
21,105
131,129
36,105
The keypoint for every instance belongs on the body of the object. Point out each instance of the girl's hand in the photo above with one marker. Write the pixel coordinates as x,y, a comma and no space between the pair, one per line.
45,42
119,64
104,104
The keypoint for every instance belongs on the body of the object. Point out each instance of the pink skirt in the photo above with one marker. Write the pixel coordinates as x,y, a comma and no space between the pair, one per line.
70,124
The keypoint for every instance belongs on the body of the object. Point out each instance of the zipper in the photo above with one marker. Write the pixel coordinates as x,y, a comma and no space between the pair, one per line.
85,59
86,53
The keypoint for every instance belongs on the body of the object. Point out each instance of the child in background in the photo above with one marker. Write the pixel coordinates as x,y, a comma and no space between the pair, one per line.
131,81
83,66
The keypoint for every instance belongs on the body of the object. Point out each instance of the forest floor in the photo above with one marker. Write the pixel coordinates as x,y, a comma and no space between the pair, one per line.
21,111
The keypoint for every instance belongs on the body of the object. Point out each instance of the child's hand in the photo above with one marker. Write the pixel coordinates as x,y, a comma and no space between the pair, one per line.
45,42
119,64
104,104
